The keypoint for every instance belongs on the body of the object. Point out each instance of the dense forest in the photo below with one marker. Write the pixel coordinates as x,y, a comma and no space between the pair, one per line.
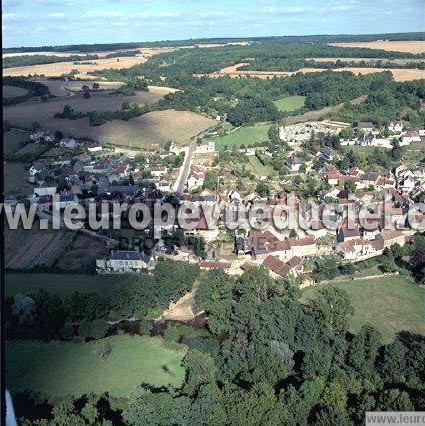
190,42
265,358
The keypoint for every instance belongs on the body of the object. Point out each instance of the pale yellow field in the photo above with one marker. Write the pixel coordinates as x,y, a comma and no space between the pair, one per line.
59,68
396,61
400,74
414,46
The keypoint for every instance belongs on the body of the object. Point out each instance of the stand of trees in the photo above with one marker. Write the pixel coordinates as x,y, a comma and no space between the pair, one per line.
268,359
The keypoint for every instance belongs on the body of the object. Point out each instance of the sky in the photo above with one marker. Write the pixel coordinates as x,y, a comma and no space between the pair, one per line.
58,22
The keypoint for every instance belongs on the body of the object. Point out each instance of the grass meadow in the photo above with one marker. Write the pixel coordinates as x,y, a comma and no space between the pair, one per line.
390,304
58,369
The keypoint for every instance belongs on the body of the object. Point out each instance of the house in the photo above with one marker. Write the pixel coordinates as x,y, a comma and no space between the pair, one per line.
395,126
277,268
345,234
409,137
69,143
328,153
127,261
390,237
36,168
45,189
195,180
158,171
163,185
368,140
95,148
366,126
294,164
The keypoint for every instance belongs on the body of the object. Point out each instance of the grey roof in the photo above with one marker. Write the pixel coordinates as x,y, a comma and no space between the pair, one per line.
126,255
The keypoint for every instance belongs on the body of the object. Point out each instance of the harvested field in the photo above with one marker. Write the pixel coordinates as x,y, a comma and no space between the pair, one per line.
77,85
26,249
13,92
43,112
152,129
413,46
16,179
82,253
59,68
396,61
400,74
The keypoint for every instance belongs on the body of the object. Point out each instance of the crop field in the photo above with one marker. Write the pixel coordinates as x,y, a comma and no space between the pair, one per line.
246,136
16,179
81,254
290,103
43,112
395,60
153,129
58,369
27,248
59,68
13,141
13,92
400,74
63,284
258,168
413,46
390,304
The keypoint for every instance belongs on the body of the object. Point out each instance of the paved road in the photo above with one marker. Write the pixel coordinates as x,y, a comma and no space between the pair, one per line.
185,168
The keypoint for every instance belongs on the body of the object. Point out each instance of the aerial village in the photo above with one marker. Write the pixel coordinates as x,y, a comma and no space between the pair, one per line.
93,173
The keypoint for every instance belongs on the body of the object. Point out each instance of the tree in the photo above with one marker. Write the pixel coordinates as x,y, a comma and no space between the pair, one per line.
96,85
24,309
350,186
58,135
200,370
332,308
262,189
347,133
363,349
325,269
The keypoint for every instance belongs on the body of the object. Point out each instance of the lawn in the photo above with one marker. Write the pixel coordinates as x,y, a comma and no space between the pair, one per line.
63,284
246,136
390,304
13,140
290,103
57,369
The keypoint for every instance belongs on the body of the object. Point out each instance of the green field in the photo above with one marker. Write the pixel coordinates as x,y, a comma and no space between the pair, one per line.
246,136
13,92
390,304
259,168
62,284
58,369
291,103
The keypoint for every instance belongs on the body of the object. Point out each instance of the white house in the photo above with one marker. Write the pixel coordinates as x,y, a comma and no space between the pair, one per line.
366,126
122,261
158,171
96,148
409,137
69,143
45,189
37,167
294,164
395,126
